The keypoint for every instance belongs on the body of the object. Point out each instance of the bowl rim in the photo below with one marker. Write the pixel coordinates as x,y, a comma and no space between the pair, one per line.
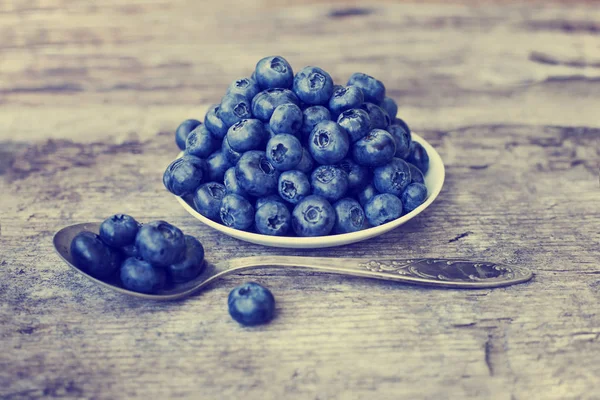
330,240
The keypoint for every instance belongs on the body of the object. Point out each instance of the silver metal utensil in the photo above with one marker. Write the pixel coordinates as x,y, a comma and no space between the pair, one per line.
449,273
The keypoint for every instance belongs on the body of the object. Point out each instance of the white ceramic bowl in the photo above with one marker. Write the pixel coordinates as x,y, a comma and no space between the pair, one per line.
434,180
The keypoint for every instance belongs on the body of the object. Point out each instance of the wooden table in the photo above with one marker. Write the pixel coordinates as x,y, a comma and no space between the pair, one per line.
90,94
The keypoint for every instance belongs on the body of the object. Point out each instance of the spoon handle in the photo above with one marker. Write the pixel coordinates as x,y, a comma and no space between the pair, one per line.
442,272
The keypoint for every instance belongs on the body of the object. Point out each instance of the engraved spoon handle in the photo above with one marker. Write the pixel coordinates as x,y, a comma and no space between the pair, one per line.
423,271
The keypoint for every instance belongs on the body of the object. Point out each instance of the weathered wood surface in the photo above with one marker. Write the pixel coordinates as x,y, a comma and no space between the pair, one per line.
509,95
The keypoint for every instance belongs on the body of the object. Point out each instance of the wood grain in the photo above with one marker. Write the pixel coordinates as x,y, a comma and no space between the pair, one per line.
90,94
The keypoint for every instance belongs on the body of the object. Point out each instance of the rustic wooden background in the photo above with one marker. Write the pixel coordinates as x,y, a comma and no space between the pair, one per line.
509,94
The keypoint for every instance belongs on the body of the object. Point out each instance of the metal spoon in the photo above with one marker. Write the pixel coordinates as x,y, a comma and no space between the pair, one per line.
451,273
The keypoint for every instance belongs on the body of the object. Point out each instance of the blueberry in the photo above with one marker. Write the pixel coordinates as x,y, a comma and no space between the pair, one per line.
200,142
217,165
192,264
398,121
284,151
413,196
274,72
390,107
328,143
366,194
373,89
255,174
379,118
236,212
293,186
358,176
350,216
311,116
234,108
231,183
416,176
418,157
270,198
402,139
375,149
130,251
247,134
312,85
160,243
286,118
214,124
313,216
392,178
329,182
230,154
383,208
244,86
184,175
356,123
90,254
119,230
273,218
264,103
207,199
251,304
183,130
306,162
141,276
345,98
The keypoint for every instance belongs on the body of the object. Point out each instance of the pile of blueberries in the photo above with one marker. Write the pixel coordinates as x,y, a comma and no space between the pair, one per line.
286,154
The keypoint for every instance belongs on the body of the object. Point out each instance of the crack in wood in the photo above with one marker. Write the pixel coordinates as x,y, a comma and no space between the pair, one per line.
462,235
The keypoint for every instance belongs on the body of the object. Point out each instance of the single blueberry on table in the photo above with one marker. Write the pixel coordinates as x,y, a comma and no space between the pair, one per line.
274,72
184,175
192,264
418,157
272,197
379,118
313,85
392,178
293,186
356,123
214,124
383,208
236,212
311,116
265,103
313,216
330,182
91,255
373,89
286,118
183,130
251,304
217,165
402,139
358,176
413,196
231,183
273,218
230,154
284,151
345,98
247,134
375,149
328,143
160,243
306,162
200,142
119,230
366,194
390,107
416,176
141,276
256,175
234,108
350,216
207,199
244,86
